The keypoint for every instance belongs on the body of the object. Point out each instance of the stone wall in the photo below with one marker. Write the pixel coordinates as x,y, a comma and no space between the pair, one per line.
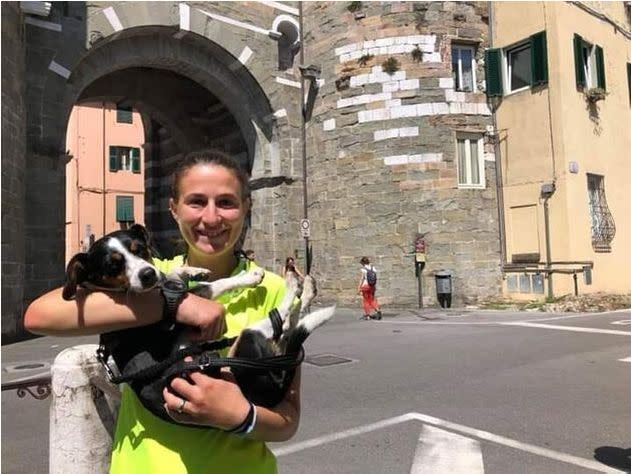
382,149
13,168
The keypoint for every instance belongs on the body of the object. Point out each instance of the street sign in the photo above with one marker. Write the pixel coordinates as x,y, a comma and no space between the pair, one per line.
305,228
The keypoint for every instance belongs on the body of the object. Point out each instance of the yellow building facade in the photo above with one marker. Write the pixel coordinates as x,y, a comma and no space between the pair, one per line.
559,82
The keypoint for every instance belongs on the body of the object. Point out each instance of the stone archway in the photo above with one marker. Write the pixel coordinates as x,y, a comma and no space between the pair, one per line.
192,93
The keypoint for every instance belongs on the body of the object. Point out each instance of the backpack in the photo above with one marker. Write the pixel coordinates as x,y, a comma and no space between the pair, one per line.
371,276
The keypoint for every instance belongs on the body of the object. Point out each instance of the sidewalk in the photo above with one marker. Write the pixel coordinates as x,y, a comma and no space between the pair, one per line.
31,358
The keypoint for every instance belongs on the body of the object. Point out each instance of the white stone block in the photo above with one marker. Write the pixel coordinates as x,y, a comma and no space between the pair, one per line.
328,124
403,111
446,82
427,48
369,44
471,109
382,96
425,158
361,99
401,40
483,109
383,50
450,95
391,86
416,39
396,160
460,97
424,109
356,54
408,48
455,108
408,132
396,49
359,80
346,49
408,84
393,103
341,103
345,57
489,157
431,58
376,69
364,116
380,135
381,114
385,134
384,42
440,108
373,51
398,76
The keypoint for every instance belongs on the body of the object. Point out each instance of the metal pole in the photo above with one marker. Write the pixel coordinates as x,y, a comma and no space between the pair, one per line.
548,251
420,289
575,284
304,138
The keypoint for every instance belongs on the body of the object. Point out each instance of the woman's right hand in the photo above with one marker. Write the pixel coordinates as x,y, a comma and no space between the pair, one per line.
207,316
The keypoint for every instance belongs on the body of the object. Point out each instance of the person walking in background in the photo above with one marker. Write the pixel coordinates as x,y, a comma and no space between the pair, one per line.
367,287
290,266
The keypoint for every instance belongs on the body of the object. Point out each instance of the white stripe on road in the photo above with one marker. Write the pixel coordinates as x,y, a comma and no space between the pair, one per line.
430,420
626,359
569,328
442,452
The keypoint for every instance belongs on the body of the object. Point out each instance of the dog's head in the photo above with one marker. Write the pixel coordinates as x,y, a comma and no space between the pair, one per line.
121,259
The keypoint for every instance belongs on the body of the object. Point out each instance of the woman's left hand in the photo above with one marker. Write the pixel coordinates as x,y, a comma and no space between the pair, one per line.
207,401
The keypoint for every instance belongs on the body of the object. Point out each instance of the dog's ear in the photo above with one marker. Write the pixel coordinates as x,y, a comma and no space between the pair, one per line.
139,231
75,274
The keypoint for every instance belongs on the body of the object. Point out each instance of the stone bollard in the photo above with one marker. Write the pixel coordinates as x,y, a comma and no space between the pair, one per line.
83,413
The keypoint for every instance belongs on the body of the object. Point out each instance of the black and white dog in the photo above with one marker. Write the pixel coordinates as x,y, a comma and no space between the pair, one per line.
121,261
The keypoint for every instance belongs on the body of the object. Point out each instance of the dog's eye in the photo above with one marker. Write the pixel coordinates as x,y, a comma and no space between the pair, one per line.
114,264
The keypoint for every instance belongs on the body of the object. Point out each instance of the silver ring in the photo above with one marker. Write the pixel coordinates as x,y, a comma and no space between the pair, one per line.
181,407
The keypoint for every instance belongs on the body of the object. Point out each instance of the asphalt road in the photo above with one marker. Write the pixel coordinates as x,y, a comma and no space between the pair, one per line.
438,391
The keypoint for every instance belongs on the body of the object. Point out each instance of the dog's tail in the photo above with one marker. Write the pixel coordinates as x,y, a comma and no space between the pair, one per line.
296,337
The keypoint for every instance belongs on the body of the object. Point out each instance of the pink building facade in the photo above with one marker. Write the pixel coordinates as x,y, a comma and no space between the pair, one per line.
105,177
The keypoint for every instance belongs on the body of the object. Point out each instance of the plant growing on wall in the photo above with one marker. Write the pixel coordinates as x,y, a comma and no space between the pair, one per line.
595,94
354,7
417,54
391,65
343,82
364,59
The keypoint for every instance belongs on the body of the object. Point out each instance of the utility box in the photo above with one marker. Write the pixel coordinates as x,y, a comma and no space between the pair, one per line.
443,288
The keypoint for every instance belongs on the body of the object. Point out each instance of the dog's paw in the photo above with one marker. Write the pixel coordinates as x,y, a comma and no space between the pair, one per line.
253,278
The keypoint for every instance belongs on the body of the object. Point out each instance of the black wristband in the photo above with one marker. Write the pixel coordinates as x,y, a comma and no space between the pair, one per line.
247,425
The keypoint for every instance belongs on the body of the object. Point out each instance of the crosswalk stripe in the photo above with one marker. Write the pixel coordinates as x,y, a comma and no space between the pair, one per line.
442,452
626,359
569,328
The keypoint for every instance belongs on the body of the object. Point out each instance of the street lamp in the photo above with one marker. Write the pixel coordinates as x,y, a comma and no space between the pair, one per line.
310,73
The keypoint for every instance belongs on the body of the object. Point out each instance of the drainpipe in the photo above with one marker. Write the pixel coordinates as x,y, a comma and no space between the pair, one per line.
303,131
547,190
105,156
498,163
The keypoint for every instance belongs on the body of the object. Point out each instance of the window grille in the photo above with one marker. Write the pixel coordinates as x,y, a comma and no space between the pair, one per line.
603,225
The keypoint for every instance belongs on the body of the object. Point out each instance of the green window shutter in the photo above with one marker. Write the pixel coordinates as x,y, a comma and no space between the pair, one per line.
493,71
539,59
135,160
124,208
579,66
114,164
600,68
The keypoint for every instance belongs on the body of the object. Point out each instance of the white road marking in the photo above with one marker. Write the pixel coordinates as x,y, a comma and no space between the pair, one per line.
442,452
626,359
569,328
622,322
430,420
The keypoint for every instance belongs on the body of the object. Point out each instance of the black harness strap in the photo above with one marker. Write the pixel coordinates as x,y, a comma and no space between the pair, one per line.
156,369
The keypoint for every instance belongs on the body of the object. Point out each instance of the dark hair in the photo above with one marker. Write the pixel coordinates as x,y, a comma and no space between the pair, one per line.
209,157
364,261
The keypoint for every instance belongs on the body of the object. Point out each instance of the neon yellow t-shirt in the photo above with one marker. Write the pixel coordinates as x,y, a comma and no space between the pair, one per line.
144,443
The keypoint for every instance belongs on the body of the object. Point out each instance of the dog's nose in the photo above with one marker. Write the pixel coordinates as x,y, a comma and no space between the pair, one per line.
148,277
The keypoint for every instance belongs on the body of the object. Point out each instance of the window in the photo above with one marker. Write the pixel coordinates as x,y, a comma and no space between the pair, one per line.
124,114
125,209
589,65
518,67
470,161
124,158
603,225
463,67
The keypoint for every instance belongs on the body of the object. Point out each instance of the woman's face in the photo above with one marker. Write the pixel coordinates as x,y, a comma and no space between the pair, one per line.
210,210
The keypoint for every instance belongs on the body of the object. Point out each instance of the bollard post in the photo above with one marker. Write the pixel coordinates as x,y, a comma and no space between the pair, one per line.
83,413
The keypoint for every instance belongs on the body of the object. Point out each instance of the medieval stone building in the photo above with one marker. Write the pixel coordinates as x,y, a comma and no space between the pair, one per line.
396,145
